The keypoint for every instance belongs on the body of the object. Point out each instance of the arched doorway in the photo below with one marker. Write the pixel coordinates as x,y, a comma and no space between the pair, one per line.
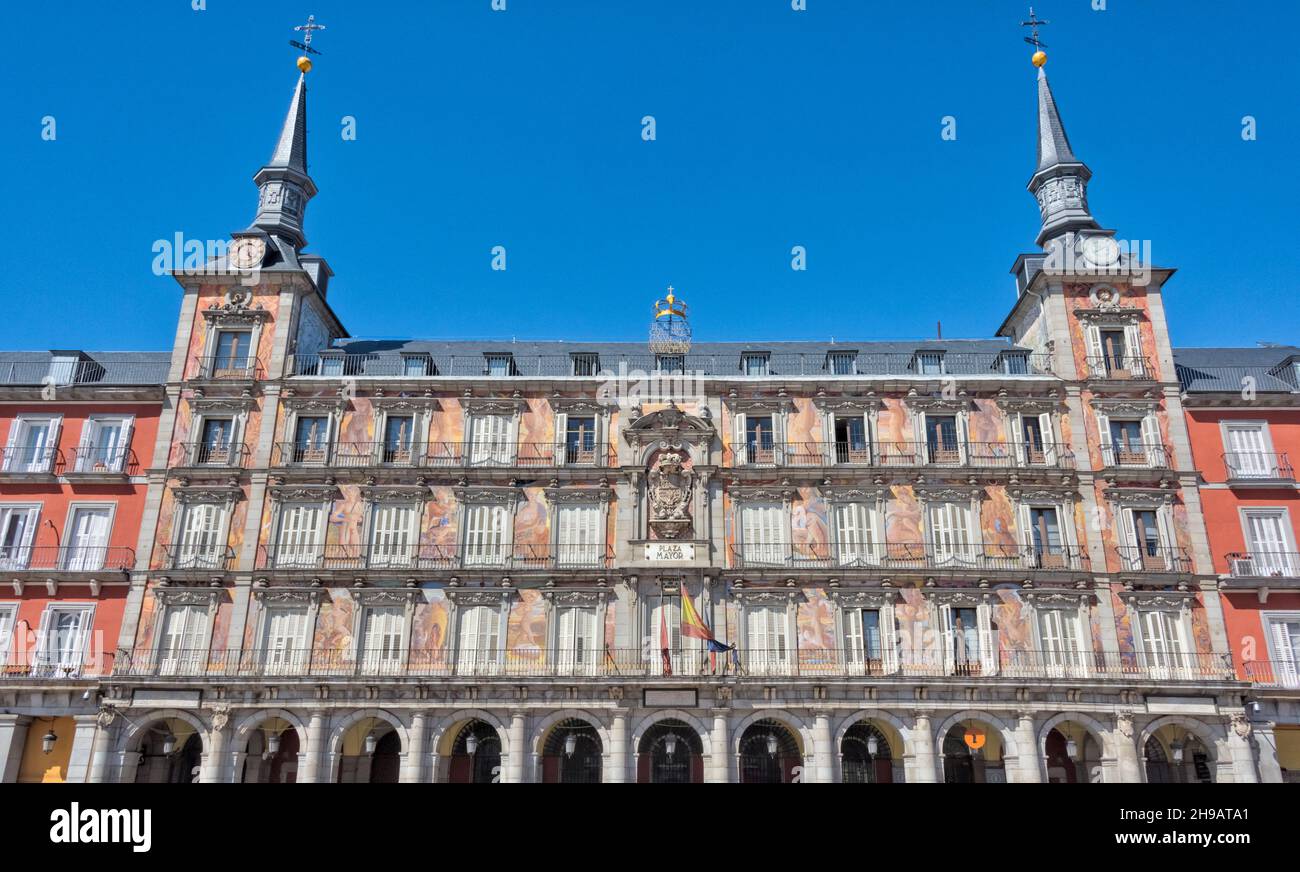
670,752
1173,755
769,754
1072,755
972,754
475,755
171,752
370,752
272,756
866,756
572,754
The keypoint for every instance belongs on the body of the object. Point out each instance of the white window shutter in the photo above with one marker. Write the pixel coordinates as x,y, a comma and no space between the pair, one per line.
1133,347
1096,355
1105,440
738,439
1049,439
1284,657
990,656
888,640
1151,437
854,640
946,637
561,438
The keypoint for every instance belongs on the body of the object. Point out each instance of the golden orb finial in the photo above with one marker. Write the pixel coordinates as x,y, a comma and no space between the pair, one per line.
1039,58
304,64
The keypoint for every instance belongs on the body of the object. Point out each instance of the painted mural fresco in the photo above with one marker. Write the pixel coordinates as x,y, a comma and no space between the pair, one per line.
431,625
526,628
1014,619
1123,627
918,635
803,423
809,524
815,623
334,621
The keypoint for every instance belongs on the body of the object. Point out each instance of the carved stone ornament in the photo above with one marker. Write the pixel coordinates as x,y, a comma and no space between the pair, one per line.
386,596
105,717
236,311
959,596
396,493
951,494
1140,497
1115,314
207,494
575,597
868,403
493,405
932,403
1168,599
281,596
180,596
220,716
864,599
853,494
1240,724
670,426
304,493
1028,404
479,597
1127,406
669,486
1124,723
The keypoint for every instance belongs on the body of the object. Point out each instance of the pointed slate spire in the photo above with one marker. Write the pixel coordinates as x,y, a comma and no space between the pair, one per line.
283,184
1061,181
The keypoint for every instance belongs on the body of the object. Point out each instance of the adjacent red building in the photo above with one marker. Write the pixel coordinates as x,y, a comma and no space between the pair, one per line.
1243,419
77,434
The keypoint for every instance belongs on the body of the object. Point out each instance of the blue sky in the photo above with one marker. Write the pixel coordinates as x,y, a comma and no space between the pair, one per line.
522,128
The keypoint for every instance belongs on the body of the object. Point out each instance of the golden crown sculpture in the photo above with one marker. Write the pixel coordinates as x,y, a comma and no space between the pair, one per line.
670,332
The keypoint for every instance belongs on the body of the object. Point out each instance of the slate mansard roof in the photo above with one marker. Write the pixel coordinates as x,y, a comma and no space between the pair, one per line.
1274,369
30,368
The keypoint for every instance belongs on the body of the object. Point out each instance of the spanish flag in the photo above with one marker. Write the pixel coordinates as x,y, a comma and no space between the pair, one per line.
691,624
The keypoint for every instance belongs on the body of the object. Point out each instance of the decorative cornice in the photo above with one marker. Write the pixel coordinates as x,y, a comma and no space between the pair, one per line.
567,495
866,599
479,596
767,597
208,494
930,403
395,493
386,596
1129,405
326,405
1164,599
180,596
306,493
1049,492
868,403
950,493
669,427
1050,403
279,596
401,403
761,493
1134,496
235,313
739,405
569,405
854,493
955,596
1056,597
1110,315
506,496
494,405
205,405
575,597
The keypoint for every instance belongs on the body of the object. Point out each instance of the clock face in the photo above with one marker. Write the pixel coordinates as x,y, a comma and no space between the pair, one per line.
1100,250
246,252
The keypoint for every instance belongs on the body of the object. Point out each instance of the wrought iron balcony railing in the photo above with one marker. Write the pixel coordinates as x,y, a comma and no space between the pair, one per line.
1272,673
1264,564
29,460
1135,455
693,663
1125,367
978,455
55,666
1247,466
65,558
222,455
92,460
356,455
904,555
1150,558
226,368
198,557
430,556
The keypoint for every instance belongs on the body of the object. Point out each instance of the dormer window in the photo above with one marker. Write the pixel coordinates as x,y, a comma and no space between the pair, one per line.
500,365
1014,363
586,364
755,363
670,364
842,362
416,365
63,369
928,363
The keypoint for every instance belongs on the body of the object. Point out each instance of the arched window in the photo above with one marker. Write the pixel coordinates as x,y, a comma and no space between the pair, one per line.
476,755
670,752
1157,763
865,756
572,754
769,754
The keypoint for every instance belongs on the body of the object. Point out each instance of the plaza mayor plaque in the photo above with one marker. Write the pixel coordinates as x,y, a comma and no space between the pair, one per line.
669,552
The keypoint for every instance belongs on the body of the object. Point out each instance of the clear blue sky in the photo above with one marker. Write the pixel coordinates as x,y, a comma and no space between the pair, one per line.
522,128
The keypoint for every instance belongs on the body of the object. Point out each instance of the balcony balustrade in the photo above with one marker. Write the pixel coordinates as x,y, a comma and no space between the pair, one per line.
37,460
692,663
65,558
1123,367
441,455
430,556
1273,673
1264,564
1153,558
221,455
1245,467
226,368
35,665
1135,455
977,455
904,555
198,557
100,460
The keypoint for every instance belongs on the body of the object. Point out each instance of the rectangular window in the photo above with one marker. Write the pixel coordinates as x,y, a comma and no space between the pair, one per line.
580,539
8,614
665,633
1126,443
1062,642
767,652
31,445
500,365
62,638
298,543
104,445
855,534
580,439
398,432
382,639
393,535
1268,543
17,531
311,440
182,651
284,640
941,439
670,364
88,538
1146,532
1114,352
1163,648
843,362
1284,637
486,535
965,640
950,534
760,439
1045,537
490,440
479,640
415,366
851,444
862,641
586,364
1247,454
754,364
763,533
214,442
1031,433
928,363
232,356
576,637
201,545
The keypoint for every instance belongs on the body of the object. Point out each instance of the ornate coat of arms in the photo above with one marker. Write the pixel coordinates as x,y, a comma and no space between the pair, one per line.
670,484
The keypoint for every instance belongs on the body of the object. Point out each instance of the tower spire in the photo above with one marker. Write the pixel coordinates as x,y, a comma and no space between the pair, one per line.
284,187
1060,183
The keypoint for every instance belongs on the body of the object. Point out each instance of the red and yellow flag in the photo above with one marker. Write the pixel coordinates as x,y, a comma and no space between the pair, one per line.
691,624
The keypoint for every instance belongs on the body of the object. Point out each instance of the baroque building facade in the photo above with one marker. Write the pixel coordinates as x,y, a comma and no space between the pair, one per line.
957,560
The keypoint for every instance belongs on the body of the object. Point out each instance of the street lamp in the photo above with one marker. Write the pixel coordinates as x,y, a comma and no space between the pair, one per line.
670,744
169,743
372,742
471,744
48,740
1177,747
772,745
273,744
873,745
570,744
1072,749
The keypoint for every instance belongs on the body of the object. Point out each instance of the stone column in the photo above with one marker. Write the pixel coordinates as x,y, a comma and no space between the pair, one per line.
618,750
1243,757
214,757
519,752
720,764
311,769
103,745
920,769
83,741
1265,742
13,736
1031,768
413,766
1124,738
822,764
